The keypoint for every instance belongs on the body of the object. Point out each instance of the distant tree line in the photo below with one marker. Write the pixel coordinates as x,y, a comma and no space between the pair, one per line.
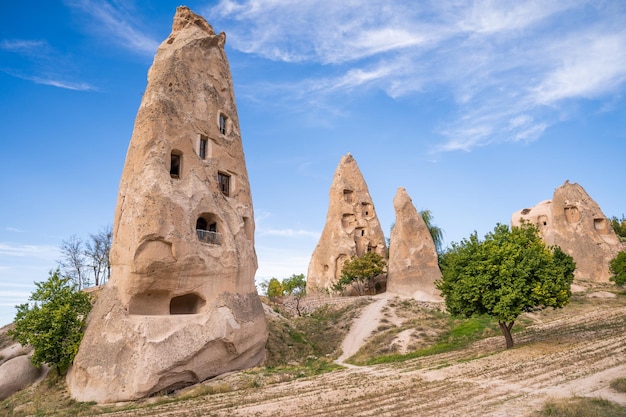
293,287
86,261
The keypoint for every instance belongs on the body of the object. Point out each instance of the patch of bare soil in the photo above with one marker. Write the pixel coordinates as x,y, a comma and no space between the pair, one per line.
576,351
362,328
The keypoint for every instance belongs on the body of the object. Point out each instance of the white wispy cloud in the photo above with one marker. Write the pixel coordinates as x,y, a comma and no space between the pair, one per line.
116,19
590,64
509,66
45,65
43,252
68,85
23,46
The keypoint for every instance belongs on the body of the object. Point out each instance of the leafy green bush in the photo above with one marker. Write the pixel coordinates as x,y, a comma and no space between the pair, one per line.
52,322
360,271
619,226
617,267
509,272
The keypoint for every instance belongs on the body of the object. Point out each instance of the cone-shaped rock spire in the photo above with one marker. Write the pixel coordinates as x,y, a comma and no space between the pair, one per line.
352,227
181,305
574,222
413,267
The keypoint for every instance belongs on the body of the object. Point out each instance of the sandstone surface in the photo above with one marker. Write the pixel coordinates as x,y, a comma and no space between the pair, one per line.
573,221
181,305
352,227
17,373
413,267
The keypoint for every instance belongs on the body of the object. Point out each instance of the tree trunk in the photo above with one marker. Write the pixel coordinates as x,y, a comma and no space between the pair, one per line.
506,331
298,306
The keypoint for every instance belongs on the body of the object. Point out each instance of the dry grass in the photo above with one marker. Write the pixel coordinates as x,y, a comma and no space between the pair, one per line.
581,407
554,349
619,385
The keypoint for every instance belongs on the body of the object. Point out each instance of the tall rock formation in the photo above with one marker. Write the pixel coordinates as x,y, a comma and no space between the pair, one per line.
352,227
573,221
181,305
413,267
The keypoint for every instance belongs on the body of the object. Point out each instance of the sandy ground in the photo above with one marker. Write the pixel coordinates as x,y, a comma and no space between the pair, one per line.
362,328
570,355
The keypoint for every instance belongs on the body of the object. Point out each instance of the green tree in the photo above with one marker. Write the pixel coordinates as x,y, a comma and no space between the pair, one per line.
619,226
274,289
295,286
361,271
510,272
617,267
435,231
52,322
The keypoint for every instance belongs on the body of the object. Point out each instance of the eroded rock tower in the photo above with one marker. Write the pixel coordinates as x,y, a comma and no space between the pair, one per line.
413,267
181,305
352,227
573,221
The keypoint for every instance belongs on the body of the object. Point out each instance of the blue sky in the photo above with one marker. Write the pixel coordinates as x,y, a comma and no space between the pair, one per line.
477,108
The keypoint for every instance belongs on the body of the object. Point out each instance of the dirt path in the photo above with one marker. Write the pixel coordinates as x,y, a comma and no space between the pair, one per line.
362,328
571,354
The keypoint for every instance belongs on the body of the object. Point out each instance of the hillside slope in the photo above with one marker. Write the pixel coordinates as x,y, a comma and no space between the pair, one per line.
575,351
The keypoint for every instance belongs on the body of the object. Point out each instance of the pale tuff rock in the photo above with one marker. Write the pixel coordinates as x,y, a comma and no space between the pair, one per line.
352,227
413,267
573,221
181,305
16,374
16,370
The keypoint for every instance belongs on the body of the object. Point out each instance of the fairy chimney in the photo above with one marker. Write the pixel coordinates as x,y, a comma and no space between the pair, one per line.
573,221
413,267
352,227
181,305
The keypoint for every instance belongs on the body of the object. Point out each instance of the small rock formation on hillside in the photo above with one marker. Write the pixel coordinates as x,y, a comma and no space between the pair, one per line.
16,370
413,267
181,305
352,227
573,221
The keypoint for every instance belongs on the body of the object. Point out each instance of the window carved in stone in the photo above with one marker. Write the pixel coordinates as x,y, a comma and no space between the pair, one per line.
366,210
207,229
347,196
223,123
175,164
202,147
186,304
572,214
223,181
601,226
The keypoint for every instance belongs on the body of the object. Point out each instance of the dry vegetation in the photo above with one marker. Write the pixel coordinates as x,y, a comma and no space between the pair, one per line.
568,362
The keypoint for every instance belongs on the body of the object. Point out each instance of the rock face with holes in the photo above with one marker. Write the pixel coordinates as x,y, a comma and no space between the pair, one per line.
181,305
352,227
573,221
413,267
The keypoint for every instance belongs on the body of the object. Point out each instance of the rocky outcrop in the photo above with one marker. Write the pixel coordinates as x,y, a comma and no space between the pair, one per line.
352,227
16,374
181,305
573,221
413,267
16,370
